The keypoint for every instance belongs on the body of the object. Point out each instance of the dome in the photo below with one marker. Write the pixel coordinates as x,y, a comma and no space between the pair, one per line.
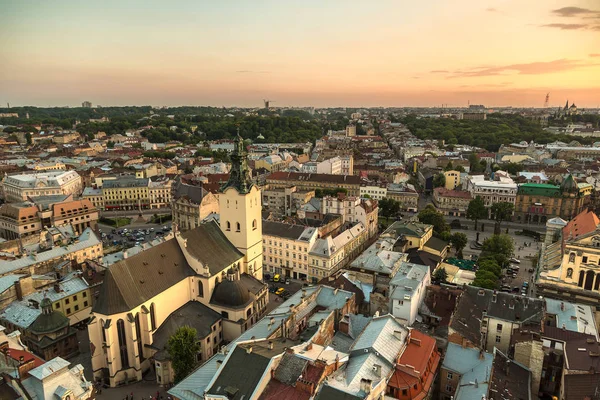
49,320
231,293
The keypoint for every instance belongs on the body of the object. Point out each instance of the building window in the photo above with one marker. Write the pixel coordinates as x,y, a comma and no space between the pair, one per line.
75,298
67,301
570,273
572,257
138,335
85,303
122,344
68,311
450,376
254,225
237,226
449,388
499,328
200,289
584,259
228,226
152,317
103,330
76,307
498,338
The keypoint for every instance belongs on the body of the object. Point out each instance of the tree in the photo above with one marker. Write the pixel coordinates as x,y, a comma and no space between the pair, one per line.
474,164
28,138
500,247
440,275
449,166
501,211
485,279
439,180
476,210
110,144
490,264
459,240
429,215
183,348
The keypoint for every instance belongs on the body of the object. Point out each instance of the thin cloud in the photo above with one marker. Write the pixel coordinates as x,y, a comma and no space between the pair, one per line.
566,27
247,71
569,12
534,68
439,71
491,9
416,77
595,55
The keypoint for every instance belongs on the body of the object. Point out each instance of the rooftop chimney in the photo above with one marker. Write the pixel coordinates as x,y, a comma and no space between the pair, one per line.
377,370
249,350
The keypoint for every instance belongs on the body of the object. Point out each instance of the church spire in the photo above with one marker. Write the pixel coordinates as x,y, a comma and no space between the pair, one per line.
239,177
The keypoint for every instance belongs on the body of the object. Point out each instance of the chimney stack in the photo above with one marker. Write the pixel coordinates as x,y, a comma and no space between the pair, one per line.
249,350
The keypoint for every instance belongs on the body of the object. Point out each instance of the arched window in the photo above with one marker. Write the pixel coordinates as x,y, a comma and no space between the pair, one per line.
237,226
254,225
122,344
570,273
249,313
572,257
103,330
152,317
228,225
138,335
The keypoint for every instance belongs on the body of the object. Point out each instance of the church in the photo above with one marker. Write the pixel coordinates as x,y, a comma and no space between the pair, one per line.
213,273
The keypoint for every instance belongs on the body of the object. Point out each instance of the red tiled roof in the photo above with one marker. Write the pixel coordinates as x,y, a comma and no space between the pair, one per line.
452,193
17,354
585,222
293,176
418,354
276,390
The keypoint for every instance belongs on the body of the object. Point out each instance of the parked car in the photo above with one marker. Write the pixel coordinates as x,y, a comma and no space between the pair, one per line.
267,277
515,260
276,278
279,291
287,281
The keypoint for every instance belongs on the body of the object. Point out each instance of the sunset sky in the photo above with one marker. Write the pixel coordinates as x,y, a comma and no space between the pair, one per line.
300,53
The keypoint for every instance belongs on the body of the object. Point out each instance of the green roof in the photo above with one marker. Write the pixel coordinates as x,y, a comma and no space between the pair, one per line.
539,189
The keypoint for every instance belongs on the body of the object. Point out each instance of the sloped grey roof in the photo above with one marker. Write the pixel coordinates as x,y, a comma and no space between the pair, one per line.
290,368
131,282
208,244
193,314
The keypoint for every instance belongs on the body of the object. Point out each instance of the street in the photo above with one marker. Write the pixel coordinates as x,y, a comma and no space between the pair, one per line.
132,234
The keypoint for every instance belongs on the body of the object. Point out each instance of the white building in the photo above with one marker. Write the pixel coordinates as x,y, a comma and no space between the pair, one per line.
374,191
331,166
18,187
502,190
407,291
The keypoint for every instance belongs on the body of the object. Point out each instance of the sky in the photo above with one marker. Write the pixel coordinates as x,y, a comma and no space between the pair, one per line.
317,53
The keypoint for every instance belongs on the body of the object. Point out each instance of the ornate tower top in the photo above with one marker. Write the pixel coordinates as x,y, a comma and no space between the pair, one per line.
239,177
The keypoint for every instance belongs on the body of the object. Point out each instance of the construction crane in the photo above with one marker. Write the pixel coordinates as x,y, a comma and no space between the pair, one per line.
547,102
268,103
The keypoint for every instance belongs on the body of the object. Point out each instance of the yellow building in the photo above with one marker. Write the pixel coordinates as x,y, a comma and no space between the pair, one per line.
452,179
219,267
570,260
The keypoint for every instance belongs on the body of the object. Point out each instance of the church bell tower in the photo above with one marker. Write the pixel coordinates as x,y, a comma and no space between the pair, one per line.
240,211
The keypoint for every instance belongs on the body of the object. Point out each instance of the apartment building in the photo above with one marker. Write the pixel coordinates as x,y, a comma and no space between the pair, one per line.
451,202
376,192
297,251
307,181
286,201
406,195
353,210
191,204
18,187
504,189
130,193
27,218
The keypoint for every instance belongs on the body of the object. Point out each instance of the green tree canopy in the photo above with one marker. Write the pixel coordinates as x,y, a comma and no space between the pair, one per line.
459,240
500,247
183,348
440,275
439,180
476,210
429,215
501,211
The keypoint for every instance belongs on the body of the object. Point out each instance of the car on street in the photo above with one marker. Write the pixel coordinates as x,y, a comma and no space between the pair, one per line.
276,278
279,291
287,281
515,260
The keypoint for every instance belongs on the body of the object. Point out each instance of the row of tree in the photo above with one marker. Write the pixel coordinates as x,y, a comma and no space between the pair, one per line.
495,256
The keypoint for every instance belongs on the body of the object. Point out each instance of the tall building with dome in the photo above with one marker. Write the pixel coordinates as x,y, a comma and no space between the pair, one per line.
206,271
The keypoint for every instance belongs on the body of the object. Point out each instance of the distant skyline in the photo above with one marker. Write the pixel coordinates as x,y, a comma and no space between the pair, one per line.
311,53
